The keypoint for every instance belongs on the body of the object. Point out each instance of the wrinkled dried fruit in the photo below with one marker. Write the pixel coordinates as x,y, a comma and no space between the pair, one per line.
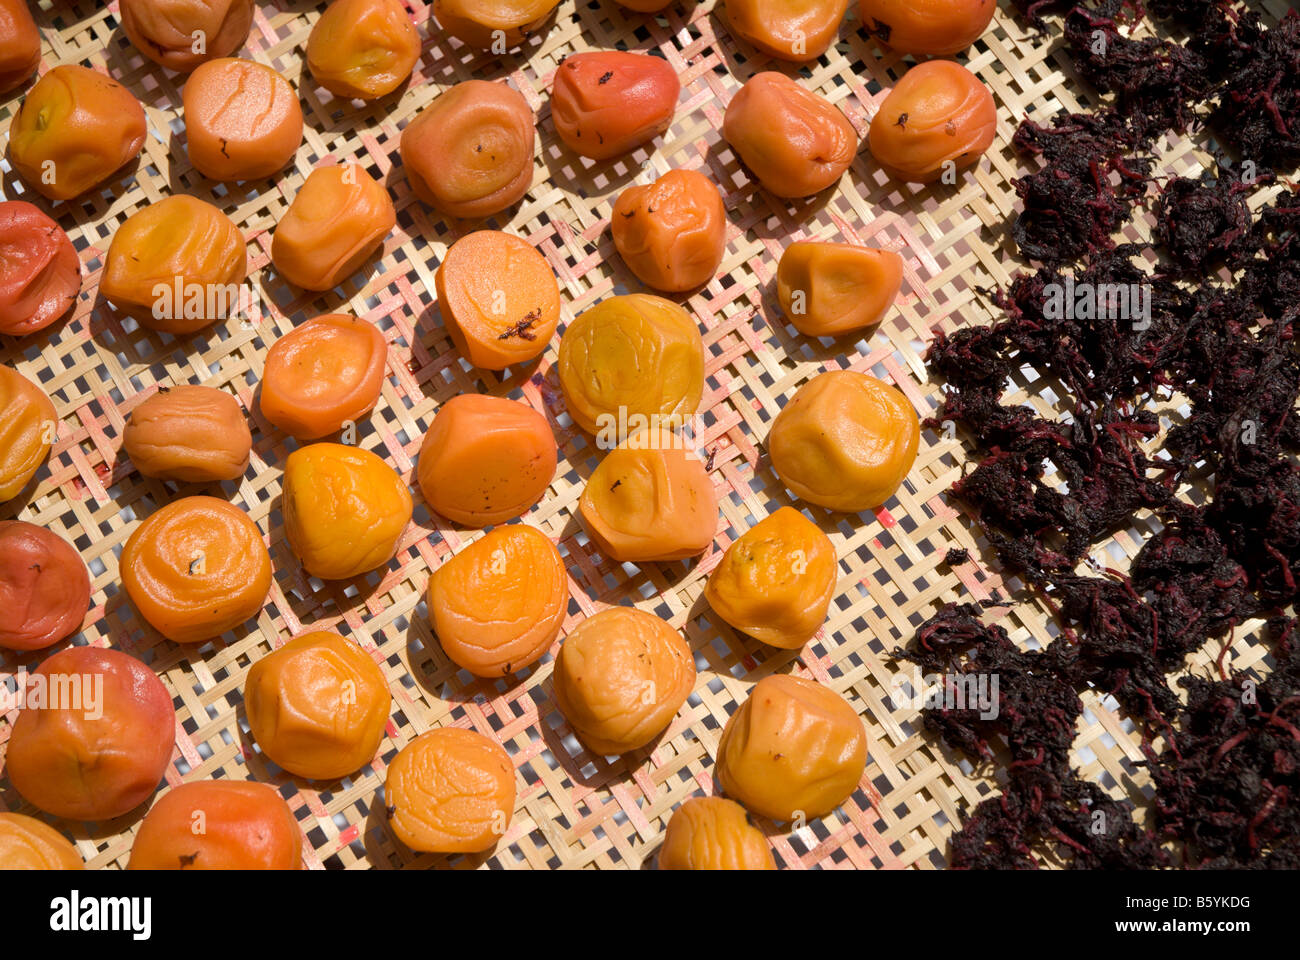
242,120
20,45
189,433
485,459
794,30
40,273
938,118
76,128
620,677
650,499
713,833
845,441
337,221
469,153
28,425
196,568
176,266
671,233
605,103
363,49
44,587
927,27
450,791
489,23
497,606
776,580
323,374
630,358
794,749
167,31
499,299
100,747
218,825
30,844
317,706
829,289
794,142
344,509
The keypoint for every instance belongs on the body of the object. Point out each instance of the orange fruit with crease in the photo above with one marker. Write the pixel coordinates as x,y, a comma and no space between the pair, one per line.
671,233
242,120
30,844
189,433
318,705
845,441
488,23
363,49
28,427
499,299
165,30
830,289
793,30
794,749
77,125
776,580
176,266
497,605
345,509
713,833
620,678
218,825
485,460
323,374
450,791
196,568
84,762
650,499
933,28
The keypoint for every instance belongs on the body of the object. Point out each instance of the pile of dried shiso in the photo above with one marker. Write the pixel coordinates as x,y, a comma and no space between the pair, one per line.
1224,289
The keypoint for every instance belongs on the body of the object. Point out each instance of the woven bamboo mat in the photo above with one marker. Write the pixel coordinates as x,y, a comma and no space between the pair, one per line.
574,809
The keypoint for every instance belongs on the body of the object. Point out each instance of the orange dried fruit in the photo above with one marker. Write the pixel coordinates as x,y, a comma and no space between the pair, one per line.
44,587
489,24
76,128
933,28
499,299
169,32
41,272
650,499
469,153
30,844
218,825
631,361
794,142
620,677
363,49
671,233
345,509
317,706
196,568
485,459
713,833
28,426
829,289
20,45
323,374
845,441
776,580
606,103
101,740
176,266
337,222
189,433
794,749
450,791
497,606
794,30
242,120
938,118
